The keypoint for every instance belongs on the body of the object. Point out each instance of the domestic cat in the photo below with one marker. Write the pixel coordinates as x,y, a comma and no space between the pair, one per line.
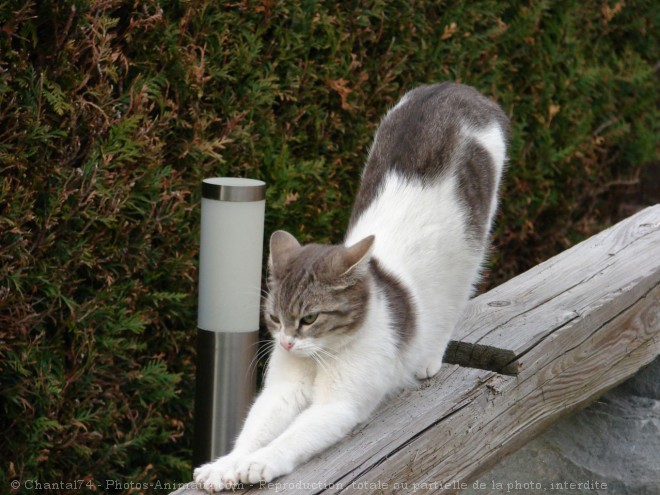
354,323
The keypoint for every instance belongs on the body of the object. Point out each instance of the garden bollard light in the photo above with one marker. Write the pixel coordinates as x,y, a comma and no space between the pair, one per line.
230,263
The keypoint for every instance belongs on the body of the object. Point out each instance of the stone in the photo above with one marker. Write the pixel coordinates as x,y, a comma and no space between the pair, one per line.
612,447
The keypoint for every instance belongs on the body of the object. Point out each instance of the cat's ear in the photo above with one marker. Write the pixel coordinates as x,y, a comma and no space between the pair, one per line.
282,246
355,259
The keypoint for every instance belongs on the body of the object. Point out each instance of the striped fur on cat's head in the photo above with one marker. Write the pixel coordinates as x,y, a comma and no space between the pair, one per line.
318,295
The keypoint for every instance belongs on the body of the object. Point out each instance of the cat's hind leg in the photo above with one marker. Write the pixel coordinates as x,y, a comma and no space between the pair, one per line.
430,368
430,357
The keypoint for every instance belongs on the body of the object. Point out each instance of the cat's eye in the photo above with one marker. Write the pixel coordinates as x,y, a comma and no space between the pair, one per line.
309,319
274,318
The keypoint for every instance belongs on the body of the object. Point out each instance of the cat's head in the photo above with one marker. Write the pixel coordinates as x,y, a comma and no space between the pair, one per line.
318,295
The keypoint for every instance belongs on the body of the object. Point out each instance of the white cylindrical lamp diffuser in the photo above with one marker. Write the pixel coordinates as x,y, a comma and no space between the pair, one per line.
230,267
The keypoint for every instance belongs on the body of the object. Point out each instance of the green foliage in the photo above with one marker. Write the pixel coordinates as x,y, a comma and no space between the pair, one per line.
112,112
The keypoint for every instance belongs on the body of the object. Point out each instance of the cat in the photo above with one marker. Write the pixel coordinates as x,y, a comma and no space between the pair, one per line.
355,323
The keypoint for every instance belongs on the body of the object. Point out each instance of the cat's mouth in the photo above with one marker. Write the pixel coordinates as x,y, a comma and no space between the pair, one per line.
298,348
305,348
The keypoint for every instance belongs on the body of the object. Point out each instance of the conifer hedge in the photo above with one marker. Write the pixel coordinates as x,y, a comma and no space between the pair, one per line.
112,111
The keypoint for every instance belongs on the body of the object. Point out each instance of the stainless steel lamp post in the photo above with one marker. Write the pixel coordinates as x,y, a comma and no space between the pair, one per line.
230,263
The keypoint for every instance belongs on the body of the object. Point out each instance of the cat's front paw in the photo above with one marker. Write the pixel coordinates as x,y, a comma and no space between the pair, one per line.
218,475
262,466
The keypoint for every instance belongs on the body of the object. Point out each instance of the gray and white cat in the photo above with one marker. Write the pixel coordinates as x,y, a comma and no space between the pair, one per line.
356,322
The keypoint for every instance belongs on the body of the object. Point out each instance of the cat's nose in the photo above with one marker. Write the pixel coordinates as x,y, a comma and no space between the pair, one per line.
287,344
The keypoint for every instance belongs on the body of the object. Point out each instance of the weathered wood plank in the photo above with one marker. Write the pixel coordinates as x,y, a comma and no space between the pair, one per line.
555,292
567,345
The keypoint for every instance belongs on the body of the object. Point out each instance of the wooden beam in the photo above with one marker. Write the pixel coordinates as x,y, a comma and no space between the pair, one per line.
564,332
500,326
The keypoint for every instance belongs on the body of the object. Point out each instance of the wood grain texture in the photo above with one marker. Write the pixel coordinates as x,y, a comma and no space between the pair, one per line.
574,327
560,290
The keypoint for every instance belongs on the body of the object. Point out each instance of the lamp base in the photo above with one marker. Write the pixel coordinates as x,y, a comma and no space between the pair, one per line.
224,392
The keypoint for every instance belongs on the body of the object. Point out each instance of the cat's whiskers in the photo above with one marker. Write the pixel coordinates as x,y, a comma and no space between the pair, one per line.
320,356
255,362
262,352
320,362
325,352
264,294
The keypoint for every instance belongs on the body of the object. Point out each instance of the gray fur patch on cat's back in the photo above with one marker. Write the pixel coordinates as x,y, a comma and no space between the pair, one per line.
420,139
